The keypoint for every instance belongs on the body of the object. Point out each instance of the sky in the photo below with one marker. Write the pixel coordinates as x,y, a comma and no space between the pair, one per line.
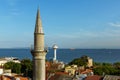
67,23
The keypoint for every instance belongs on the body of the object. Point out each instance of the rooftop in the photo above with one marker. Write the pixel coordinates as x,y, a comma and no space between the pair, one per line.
94,77
111,77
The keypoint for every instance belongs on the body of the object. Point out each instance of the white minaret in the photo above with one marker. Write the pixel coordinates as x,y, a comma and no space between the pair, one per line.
55,48
38,53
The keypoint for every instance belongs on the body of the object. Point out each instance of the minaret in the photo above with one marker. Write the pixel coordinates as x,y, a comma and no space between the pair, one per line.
38,52
55,48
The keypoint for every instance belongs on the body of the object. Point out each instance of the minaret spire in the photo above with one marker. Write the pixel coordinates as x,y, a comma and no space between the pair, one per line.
38,34
38,25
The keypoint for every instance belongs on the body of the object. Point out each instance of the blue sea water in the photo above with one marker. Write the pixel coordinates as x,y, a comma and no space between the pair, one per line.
67,55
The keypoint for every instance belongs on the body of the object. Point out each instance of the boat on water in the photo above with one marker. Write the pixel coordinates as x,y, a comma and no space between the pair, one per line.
72,48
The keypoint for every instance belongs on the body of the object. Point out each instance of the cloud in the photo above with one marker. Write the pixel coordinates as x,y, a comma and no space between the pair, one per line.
114,24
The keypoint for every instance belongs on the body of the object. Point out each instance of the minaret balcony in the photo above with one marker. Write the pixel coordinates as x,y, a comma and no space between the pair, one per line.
37,50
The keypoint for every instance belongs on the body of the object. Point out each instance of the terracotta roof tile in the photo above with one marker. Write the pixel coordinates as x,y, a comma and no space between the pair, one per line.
94,77
22,78
86,71
11,78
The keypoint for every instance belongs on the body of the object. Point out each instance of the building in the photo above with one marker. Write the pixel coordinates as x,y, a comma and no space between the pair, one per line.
1,71
90,62
111,77
7,72
60,76
38,52
71,69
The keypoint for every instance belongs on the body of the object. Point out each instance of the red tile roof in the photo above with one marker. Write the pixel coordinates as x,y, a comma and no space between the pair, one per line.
64,73
11,78
94,77
22,78
86,71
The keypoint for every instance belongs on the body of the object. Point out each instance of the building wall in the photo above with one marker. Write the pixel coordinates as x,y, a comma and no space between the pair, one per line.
90,62
1,71
71,69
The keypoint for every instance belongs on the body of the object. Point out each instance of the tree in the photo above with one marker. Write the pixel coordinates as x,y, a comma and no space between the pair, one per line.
106,68
15,67
82,61
106,64
26,67
97,64
98,71
8,65
117,65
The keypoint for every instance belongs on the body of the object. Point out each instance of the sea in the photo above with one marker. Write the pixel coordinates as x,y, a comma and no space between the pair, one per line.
67,55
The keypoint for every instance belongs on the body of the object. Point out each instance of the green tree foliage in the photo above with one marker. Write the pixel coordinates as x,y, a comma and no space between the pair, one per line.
82,61
106,64
106,68
117,65
97,64
15,67
8,65
26,67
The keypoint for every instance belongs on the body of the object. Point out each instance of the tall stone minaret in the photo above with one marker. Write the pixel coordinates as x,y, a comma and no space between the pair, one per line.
38,51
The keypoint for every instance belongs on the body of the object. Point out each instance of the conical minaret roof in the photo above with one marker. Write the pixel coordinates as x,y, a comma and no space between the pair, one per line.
38,25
